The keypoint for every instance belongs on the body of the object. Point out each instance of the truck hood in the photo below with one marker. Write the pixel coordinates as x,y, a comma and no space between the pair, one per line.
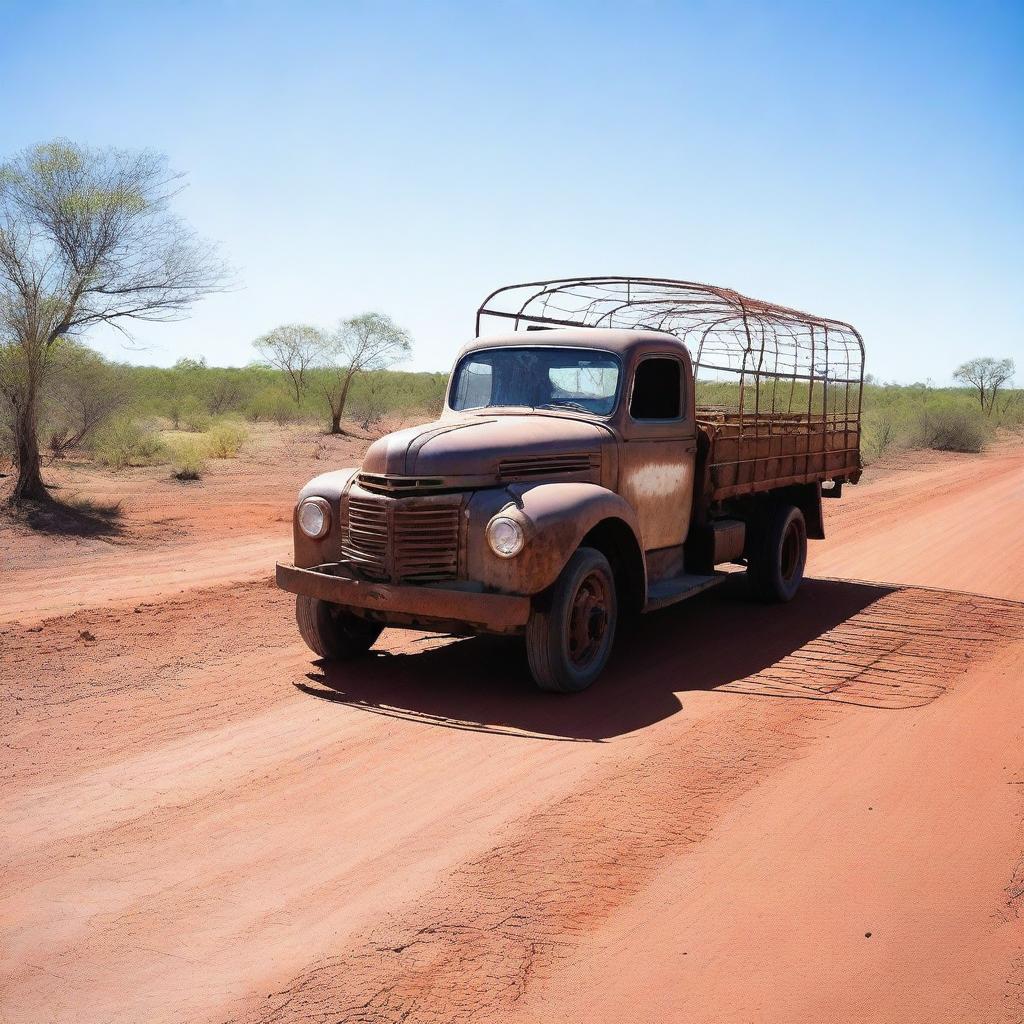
502,447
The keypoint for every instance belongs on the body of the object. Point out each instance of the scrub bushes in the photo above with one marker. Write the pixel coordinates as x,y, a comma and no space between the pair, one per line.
951,428
188,459
225,439
124,442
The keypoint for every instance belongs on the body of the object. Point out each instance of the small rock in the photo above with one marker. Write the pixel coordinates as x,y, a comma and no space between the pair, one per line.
86,635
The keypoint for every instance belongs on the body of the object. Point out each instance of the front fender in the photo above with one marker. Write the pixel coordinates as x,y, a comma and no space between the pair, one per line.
328,549
555,518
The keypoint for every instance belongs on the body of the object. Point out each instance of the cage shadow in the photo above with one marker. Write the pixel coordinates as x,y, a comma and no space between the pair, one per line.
715,641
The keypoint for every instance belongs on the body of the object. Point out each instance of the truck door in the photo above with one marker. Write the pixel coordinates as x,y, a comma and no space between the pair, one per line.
656,466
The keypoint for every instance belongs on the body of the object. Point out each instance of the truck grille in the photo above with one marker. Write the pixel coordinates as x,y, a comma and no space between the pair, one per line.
402,541
391,484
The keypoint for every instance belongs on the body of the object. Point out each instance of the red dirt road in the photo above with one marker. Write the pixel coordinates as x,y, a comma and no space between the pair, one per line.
806,813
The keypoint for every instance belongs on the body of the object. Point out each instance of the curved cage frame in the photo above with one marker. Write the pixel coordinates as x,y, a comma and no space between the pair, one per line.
784,363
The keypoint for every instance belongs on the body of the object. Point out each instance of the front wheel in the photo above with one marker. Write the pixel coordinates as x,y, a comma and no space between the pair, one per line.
775,565
331,630
568,641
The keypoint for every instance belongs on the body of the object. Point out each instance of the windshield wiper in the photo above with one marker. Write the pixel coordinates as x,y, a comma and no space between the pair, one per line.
563,405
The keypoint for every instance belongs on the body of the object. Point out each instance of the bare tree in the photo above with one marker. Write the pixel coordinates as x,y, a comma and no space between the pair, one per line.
988,376
86,238
295,349
370,341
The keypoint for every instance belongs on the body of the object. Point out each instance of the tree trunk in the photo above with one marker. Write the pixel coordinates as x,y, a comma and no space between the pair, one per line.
30,481
344,393
337,411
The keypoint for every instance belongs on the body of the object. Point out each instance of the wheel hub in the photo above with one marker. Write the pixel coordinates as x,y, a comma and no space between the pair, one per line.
588,620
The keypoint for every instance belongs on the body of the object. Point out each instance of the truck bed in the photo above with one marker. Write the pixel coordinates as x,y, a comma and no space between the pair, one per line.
751,452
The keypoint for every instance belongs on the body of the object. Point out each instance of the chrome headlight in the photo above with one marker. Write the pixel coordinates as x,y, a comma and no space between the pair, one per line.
505,536
314,517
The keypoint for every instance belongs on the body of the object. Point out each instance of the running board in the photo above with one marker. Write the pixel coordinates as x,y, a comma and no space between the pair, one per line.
679,588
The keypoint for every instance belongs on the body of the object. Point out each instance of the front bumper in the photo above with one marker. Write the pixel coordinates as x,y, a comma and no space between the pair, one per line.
330,582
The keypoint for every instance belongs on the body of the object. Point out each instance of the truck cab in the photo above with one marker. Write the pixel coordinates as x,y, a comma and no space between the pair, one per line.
567,481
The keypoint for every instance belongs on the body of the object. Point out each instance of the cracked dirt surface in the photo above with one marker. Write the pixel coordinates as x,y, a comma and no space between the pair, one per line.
761,814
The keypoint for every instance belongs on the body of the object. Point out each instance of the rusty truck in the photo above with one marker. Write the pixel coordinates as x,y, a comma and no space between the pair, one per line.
621,445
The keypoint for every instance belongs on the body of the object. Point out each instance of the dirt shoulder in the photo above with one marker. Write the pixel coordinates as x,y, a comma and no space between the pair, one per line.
149,535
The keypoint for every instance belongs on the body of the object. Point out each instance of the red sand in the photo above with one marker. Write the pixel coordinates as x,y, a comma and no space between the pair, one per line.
201,824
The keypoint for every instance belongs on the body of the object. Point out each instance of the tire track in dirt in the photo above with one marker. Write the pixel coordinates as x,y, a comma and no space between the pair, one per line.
131,676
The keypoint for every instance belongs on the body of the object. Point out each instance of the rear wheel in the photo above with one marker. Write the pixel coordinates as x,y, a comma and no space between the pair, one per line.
331,630
775,564
569,640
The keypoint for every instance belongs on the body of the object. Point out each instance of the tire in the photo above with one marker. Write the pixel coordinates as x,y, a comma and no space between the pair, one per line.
775,564
332,631
569,639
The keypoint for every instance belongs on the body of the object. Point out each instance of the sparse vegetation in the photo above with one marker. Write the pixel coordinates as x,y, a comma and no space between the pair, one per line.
188,459
126,442
194,418
186,394
225,439
115,412
987,376
86,238
919,416
950,428
360,345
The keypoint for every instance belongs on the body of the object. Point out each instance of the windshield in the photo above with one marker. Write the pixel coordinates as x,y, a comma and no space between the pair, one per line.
541,378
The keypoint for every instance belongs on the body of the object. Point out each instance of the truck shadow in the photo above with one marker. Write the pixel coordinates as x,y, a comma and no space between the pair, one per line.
837,641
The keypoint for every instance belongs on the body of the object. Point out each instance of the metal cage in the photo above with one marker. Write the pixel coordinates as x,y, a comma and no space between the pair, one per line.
781,363
775,381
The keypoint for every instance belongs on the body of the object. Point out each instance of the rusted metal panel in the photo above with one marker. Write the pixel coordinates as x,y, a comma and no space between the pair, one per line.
656,478
742,462
328,583
555,515
404,540
472,445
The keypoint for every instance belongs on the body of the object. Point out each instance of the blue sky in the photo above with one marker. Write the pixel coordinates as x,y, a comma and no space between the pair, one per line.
860,160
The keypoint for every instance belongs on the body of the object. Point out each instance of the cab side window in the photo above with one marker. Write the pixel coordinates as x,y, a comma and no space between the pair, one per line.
657,390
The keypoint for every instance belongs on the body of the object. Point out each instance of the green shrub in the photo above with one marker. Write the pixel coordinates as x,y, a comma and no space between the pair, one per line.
225,439
125,442
195,419
188,459
1010,414
950,428
881,433
270,404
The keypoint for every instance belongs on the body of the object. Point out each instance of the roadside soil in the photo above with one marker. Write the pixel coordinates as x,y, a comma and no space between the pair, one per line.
761,814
